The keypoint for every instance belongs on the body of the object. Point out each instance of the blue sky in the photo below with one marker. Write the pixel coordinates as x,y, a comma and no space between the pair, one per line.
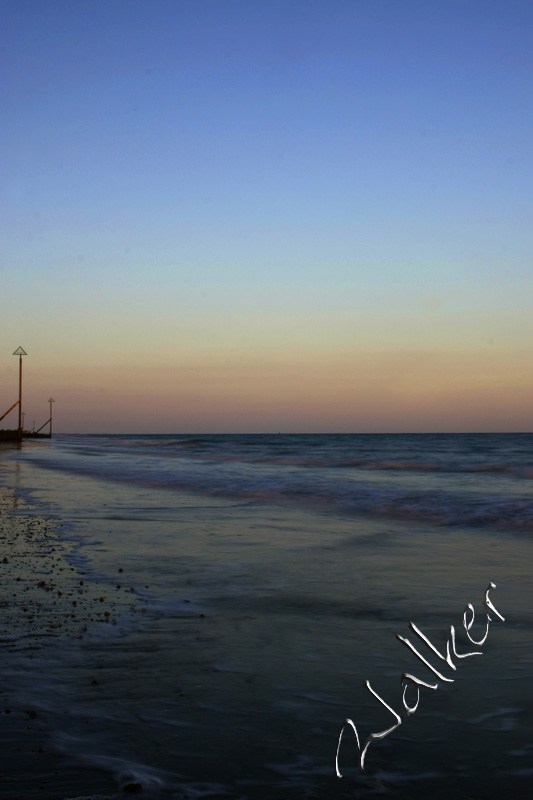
229,179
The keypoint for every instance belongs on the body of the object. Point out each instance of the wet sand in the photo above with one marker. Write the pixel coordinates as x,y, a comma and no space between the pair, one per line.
43,598
42,595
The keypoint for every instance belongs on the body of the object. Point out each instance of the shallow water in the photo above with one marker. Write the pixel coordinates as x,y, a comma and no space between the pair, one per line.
268,577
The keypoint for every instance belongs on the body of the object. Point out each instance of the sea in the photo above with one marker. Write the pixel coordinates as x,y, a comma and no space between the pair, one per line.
238,597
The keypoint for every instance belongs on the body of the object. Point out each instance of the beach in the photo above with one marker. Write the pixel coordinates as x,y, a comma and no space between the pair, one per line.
43,599
191,617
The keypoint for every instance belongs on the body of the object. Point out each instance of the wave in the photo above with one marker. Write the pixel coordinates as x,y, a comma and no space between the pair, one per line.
428,466
525,472
491,455
319,491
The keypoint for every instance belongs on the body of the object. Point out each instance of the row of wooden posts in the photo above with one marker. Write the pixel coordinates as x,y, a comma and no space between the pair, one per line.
19,432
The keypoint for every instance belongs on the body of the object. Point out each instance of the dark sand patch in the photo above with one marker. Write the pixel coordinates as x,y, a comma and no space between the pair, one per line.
43,600
43,596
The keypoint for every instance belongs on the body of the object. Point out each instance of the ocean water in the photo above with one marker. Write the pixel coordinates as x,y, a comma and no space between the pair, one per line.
254,584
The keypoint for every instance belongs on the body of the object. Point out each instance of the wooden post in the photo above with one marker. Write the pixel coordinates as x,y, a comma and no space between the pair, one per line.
20,352
51,400
20,394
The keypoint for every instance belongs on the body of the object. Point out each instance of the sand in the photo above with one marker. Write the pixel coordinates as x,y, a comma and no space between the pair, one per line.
43,598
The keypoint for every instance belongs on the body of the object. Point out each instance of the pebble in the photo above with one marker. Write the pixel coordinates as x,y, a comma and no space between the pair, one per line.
28,613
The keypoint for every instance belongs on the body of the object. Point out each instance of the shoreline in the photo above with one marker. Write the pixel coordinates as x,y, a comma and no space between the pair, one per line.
43,595
45,605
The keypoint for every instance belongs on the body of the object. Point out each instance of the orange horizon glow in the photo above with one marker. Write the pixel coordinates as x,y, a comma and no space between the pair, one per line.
384,392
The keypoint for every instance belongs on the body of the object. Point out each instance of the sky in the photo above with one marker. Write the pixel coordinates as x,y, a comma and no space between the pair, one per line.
267,215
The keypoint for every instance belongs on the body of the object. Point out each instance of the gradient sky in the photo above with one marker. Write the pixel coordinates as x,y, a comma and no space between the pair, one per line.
268,215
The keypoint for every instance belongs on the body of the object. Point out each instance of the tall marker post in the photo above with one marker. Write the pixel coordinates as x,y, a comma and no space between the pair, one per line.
51,400
20,352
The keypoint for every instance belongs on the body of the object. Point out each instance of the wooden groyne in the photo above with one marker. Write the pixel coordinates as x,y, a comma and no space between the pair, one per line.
17,434
14,435
9,435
